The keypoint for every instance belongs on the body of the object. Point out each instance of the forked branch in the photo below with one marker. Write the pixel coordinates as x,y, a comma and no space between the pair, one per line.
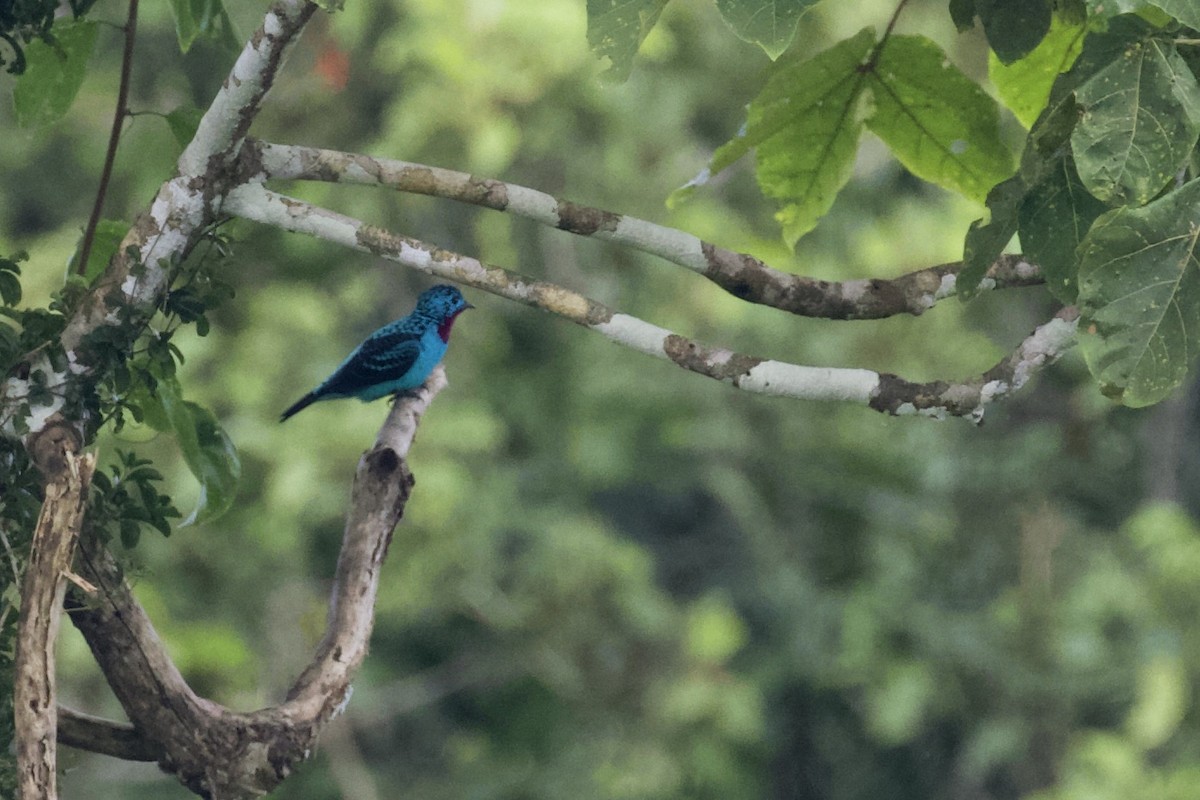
217,752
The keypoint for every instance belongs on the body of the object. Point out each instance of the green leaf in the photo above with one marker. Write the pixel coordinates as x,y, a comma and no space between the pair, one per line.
131,532
770,24
985,241
939,123
53,74
1053,219
1141,119
1139,297
616,28
207,450
109,233
1013,27
10,288
203,18
183,122
1186,11
806,124
963,14
1024,85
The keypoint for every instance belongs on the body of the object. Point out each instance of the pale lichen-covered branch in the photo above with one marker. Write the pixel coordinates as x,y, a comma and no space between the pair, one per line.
880,391
741,275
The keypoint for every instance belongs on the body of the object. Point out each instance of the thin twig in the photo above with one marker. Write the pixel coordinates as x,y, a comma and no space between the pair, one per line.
89,235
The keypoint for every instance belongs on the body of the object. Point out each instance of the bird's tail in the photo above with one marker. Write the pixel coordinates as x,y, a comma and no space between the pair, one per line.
299,405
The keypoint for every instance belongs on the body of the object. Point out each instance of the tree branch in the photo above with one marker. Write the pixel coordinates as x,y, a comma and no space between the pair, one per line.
741,275
880,391
216,752
98,735
140,272
42,590
89,234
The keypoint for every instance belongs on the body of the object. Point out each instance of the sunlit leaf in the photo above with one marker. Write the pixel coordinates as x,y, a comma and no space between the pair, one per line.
806,124
1139,297
53,74
1024,85
939,123
771,24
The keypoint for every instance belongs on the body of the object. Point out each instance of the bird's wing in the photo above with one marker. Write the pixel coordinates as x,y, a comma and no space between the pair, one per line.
381,358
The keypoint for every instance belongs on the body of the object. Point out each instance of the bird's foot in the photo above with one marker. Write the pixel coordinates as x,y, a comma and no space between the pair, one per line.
405,393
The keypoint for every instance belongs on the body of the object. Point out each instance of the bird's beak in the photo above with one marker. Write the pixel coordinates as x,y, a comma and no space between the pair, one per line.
468,305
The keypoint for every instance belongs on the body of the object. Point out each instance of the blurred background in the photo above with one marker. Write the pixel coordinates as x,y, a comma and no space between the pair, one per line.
617,579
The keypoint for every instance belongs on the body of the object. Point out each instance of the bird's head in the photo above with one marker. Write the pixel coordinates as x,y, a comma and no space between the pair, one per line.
442,303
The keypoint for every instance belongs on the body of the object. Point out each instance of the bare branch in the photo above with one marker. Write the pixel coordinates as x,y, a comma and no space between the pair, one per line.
103,736
739,274
216,752
381,489
880,391
42,590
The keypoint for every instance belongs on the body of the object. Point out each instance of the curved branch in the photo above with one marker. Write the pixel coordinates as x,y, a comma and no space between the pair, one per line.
217,752
880,391
741,275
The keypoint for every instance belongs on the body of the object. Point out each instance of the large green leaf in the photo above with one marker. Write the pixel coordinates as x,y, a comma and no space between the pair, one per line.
806,124
53,74
1024,85
939,123
616,29
206,448
1053,219
771,24
1141,118
1139,297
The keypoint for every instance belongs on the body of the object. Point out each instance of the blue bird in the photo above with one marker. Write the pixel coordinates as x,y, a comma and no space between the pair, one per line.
397,357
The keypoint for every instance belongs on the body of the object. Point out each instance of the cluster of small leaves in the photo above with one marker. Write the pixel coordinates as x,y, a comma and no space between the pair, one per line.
139,381
126,499
31,334
1105,195
22,21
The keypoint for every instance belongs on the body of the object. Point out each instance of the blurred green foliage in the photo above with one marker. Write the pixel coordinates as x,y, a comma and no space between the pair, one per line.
616,579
